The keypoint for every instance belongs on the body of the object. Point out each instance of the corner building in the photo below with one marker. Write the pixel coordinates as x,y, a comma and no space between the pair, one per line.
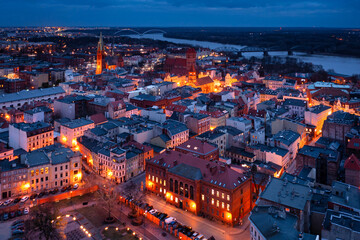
199,186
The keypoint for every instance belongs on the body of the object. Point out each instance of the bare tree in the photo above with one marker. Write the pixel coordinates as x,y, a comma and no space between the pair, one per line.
45,221
108,197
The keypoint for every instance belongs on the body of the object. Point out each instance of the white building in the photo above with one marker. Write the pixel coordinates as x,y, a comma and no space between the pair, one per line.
30,136
70,131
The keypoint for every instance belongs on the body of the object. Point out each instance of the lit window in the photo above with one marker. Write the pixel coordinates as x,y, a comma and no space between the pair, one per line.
217,193
212,191
228,197
212,201
161,190
228,207
149,177
42,171
157,179
37,171
32,173
153,178
222,204
202,197
217,203
164,182
176,199
222,195
46,170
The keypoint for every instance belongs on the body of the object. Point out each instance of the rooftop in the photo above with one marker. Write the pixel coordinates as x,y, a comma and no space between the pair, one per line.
80,122
26,94
28,127
197,146
287,193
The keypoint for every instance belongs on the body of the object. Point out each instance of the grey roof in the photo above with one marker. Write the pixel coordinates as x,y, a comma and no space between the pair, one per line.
37,158
174,127
61,155
276,150
275,224
286,137
28,127
319,109
240,151
294,102
187,171
345,195
7,165
38,109
54,154
287,193
348,220
98,131
26,94
210,135
77,123
315,152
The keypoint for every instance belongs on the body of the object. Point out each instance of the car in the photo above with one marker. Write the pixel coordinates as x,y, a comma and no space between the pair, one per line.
54,191
26,211
5,216
41,195
76,185
19,213
21,224
17,222
32,197
16,200
63,189
24,199
7,202
17,232
12,214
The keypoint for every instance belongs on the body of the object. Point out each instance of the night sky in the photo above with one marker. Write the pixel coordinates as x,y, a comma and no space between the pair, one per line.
166,13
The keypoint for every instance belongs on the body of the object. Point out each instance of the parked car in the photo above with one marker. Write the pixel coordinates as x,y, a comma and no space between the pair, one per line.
12,214
63,189
5,216
16,200
32,197
54,191
41,195
7,202
19,213
17,232
17,225
76,185
24,199
26,211
17,222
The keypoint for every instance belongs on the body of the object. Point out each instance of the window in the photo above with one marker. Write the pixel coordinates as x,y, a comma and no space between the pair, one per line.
55,169
171,185
202,197
46,178
181,191
75,165
37,171
222,205
46,170
212,201
66,166
222,195
55,176
212,192
217,203
186,190
149,177
176,187
228,197
191,192
228,207
32,173
61,168
217,193
164,182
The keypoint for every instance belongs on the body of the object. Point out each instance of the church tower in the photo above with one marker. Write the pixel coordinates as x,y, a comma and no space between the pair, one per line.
192,75
100,56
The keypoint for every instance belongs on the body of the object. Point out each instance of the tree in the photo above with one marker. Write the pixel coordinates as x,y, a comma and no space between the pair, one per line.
45,221
108,197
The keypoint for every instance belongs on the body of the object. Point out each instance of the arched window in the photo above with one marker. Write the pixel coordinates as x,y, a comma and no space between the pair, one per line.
186,190
176,187
171,185
191,192
181,191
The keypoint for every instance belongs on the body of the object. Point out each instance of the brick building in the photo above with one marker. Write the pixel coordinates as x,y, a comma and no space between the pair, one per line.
199,186
200,149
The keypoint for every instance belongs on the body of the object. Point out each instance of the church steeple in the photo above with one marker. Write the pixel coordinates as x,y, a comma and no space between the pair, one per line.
100,55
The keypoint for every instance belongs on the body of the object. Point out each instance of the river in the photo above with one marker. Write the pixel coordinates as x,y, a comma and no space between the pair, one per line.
343,65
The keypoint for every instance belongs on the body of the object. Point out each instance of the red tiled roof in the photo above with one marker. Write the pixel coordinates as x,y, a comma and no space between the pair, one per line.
257,113
176,108
197,146
214,114
203,81
212,172
352,163
98,118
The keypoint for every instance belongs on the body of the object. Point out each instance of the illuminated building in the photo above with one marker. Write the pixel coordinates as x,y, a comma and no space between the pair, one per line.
199,186
31,136
70,131
100,56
